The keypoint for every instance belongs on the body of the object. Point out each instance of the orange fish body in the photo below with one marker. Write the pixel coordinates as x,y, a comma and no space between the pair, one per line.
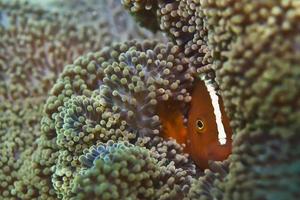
172,121
201,135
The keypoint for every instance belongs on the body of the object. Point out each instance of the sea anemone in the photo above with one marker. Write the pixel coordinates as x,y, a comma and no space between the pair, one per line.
112,95
36,43
123,170
102,123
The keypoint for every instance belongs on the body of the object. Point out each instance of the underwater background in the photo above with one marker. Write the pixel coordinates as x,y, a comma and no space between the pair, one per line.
91,90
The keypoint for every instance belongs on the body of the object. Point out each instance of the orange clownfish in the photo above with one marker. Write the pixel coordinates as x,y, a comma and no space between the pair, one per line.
207,134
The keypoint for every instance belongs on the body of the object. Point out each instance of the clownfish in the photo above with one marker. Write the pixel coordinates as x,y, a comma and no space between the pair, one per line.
207,133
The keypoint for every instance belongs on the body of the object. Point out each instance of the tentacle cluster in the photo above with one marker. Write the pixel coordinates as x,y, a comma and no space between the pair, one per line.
18,131
100,123
254,50
36,42
118,170
183,21
112,95
208,186
257,68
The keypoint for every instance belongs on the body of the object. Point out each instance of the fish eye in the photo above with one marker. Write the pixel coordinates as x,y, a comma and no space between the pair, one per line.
199,125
